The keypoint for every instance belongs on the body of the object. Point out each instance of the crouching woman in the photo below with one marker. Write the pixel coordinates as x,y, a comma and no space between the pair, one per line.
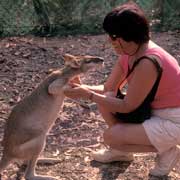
153,78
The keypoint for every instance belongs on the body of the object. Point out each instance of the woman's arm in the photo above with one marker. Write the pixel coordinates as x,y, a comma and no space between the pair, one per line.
142,81
143,78
111,83
77,81
96,88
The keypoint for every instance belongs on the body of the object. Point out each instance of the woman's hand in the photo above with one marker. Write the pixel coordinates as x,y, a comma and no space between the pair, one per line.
77,91
75,80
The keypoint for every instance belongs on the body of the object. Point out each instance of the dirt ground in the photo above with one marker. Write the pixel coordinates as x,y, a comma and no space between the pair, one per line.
25,61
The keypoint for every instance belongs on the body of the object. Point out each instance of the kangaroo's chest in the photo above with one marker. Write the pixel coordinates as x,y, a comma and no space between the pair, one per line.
40,117
45,116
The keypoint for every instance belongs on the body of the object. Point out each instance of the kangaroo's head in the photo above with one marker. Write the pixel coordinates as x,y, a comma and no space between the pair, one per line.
83,63
74,65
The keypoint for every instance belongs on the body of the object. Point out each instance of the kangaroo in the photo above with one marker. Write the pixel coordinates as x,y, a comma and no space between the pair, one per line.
32,118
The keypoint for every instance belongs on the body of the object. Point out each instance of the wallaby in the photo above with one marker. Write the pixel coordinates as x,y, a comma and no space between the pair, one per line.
32,118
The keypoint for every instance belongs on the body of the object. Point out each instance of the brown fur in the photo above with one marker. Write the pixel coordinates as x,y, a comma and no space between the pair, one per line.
32,118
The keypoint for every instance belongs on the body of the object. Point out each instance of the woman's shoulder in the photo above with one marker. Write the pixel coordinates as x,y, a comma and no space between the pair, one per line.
153,47
159,52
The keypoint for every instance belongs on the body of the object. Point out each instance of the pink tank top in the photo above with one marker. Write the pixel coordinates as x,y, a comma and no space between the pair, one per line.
168,92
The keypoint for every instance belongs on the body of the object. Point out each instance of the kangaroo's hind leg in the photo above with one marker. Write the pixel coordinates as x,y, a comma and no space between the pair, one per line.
30,172
32,149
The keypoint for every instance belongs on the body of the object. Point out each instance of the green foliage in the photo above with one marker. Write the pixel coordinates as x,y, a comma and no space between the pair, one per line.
63,17
171,15
16,17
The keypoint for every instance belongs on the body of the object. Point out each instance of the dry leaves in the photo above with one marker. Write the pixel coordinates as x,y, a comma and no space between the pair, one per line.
24,62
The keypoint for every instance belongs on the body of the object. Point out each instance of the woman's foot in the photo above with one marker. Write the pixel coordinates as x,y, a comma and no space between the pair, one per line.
165,162
108,155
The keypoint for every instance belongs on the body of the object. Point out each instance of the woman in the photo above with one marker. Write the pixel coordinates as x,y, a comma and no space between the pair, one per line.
128,31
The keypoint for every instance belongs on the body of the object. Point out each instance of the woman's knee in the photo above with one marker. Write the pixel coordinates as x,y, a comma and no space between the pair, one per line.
114,135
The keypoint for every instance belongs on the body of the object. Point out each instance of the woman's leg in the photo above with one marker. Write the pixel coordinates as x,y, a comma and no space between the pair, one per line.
133,138
128,138
124,137
108,154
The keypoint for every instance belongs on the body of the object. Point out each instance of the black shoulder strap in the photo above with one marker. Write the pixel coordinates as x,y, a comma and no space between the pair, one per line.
158,67
152,93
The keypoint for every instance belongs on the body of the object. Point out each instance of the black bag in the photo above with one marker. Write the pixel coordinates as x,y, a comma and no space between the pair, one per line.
143,112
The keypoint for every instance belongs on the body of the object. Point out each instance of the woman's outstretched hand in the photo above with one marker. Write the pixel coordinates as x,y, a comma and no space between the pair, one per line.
77,91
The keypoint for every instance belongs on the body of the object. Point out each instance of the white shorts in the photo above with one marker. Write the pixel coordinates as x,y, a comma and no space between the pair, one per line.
163,129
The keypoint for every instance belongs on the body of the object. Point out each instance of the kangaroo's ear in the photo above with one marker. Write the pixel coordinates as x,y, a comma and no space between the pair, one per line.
68,57
71,60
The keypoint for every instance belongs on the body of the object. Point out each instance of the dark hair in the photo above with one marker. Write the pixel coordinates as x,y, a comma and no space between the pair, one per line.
127,21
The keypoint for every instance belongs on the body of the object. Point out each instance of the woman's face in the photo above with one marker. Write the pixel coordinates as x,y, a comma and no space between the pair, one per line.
123,47
116,45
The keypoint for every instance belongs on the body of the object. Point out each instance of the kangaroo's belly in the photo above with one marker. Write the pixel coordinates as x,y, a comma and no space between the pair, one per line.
40,119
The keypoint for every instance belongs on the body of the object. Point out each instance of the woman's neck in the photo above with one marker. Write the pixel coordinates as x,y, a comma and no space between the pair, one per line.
140,52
